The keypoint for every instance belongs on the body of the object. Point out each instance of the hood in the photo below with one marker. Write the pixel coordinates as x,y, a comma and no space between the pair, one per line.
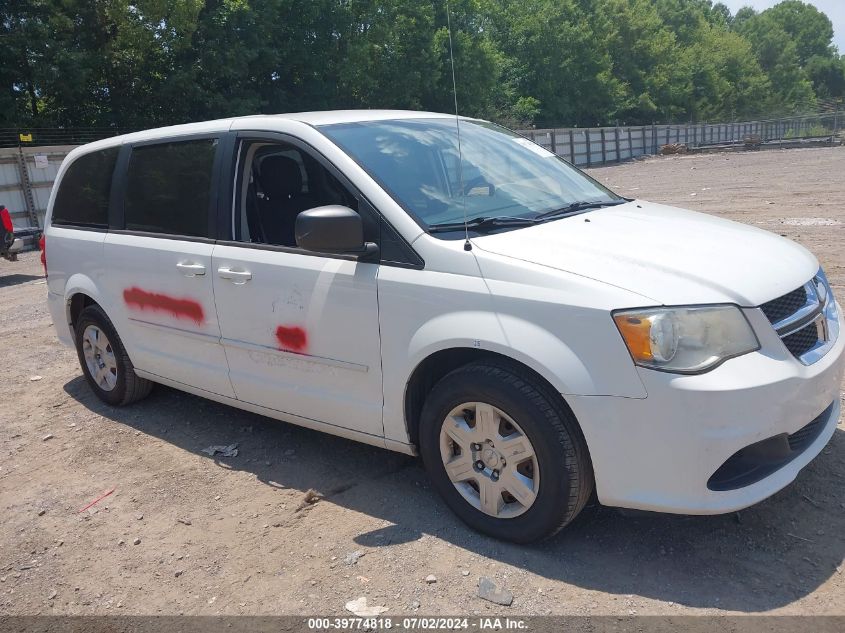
670,256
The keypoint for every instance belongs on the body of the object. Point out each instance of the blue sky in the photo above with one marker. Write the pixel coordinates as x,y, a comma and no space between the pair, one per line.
835,10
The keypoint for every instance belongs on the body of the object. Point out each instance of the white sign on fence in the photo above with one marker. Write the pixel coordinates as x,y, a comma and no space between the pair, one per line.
41,161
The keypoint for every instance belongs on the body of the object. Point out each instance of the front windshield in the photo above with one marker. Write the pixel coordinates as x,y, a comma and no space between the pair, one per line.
504,175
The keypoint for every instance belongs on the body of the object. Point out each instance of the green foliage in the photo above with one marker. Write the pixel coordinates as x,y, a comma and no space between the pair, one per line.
827,75
142,63
550,53
726,79
646,55
779,57
818,130
806,26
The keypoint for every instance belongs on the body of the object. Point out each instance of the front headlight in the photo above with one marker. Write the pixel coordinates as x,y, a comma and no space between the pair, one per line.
685,340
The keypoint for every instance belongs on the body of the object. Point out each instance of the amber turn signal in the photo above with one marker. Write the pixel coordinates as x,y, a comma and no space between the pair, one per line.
637,334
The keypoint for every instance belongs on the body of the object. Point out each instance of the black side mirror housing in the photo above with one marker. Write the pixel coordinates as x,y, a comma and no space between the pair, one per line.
332,229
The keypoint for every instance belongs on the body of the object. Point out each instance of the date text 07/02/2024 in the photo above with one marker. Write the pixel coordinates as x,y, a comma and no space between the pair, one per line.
417,623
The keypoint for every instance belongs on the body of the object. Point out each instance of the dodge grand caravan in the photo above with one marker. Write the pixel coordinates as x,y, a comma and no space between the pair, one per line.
532,335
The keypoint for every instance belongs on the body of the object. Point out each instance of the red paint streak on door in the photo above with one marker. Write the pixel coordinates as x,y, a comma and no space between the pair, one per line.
178,308
291,339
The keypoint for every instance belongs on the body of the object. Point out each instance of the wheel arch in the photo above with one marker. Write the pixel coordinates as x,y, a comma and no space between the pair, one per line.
80,292
430,370
76,304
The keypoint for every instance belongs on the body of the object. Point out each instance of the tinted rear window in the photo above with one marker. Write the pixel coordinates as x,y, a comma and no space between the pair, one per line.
83,195
168,188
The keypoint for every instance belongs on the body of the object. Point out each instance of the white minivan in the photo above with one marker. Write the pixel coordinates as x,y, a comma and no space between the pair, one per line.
446,287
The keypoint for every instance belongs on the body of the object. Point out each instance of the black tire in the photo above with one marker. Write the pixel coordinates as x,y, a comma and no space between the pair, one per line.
562,456
129,386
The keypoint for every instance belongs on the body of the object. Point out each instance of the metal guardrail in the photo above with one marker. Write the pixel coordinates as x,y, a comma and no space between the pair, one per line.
588,147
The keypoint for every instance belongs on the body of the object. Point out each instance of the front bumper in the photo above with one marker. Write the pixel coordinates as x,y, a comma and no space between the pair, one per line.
658,453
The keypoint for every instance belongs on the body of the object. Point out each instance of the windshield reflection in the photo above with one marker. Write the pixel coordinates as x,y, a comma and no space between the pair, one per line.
500,174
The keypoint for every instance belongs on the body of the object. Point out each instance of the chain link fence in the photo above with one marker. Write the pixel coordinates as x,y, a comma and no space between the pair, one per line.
44,136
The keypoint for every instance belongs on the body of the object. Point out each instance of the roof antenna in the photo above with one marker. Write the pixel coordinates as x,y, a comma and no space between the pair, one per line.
467,244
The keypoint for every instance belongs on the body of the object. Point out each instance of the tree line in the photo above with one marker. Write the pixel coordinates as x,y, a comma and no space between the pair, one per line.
143,63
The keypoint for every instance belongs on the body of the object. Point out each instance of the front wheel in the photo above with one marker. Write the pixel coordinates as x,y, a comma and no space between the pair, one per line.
505,452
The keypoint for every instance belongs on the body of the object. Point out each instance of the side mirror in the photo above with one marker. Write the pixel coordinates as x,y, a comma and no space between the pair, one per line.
332,229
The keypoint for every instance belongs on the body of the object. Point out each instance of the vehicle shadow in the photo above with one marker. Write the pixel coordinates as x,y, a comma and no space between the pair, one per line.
17,279
760,559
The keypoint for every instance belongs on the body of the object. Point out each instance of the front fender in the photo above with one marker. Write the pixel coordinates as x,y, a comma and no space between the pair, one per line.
539,349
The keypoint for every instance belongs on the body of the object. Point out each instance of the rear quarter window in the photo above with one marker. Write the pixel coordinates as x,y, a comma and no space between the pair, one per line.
168,187
83,195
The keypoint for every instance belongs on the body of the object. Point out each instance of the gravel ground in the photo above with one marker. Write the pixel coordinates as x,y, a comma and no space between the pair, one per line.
183,532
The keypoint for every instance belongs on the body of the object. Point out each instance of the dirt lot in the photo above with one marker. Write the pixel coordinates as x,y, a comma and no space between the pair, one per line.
187,533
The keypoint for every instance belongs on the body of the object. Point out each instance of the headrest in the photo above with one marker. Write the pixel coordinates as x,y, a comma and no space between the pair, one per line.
280,177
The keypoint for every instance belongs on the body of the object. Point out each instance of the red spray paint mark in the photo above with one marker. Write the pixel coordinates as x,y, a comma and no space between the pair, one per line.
291,339
179,308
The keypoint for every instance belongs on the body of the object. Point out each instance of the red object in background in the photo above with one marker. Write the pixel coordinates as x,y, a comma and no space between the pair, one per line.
6,219
178,308
42,246
291,339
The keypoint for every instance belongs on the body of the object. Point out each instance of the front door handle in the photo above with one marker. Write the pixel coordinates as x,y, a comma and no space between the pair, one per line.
190,269
237,276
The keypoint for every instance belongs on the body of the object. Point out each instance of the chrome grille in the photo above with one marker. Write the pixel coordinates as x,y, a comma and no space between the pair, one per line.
802,341
787,305
806,319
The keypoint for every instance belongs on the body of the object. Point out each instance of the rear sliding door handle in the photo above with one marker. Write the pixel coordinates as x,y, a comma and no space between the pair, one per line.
190,269
237,276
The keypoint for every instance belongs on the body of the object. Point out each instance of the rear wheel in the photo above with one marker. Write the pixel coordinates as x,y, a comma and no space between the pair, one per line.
505,452
104,360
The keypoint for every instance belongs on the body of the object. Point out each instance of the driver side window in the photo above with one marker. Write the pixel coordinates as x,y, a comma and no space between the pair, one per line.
276,182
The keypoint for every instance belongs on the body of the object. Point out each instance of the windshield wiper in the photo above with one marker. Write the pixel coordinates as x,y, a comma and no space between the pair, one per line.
480,224
577,207
498,222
